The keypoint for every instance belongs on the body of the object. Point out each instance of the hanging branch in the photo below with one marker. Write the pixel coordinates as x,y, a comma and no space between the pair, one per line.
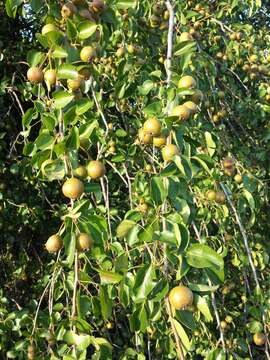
168,63
214,304
244,235
179,349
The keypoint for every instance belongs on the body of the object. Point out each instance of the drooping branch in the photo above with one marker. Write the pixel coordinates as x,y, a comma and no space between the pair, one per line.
168,63
213,298
244,235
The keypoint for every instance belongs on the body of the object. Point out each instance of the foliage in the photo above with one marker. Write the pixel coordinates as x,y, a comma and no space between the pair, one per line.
151,220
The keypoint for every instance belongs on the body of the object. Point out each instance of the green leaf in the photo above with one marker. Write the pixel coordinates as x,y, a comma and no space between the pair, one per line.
153,109
59,53
202,305
211,145
202,287
108,277
62,98
44,140
53,169
87,129
35,58
81,341
255,327
159,189
67,71
124,227
83,105
105,302
185,47
143,283
146,87
86,29
202,256
125,4
182,335
70,245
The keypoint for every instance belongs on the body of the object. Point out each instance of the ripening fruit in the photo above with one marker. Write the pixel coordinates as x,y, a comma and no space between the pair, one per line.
180,297
197,97
238,178
211,195
80,172
152,126
31,352
68,10
228,163
159,141
48,28
54,243
157,9
120,52
144,137
223,325
253,58
193,108
131,49
220,197
50,76
221,95
95,169
187,82
185,36
259,339
169,151
35,75
74,84
87,53
98,6
228,319
85,73
73,188
229,171
182,112
233,36
84,242
154,21
166,15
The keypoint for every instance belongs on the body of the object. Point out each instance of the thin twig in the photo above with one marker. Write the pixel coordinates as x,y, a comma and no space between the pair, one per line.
38,307
76,280
180,353
98,106
213,298
170,9
244,235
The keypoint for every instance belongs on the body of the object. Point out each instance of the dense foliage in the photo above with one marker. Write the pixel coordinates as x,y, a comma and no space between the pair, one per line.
134,176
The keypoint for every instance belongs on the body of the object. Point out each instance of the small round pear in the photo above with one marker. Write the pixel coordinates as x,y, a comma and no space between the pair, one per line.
152,126
185,36
180,297
73,188
193,108
54,243
187,82
169,151
48,28
95,169
83,242
211,195
50,76
35,75
182,112
144,137
87,53
259,339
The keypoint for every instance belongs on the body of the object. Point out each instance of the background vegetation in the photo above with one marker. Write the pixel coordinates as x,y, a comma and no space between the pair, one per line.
157,216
